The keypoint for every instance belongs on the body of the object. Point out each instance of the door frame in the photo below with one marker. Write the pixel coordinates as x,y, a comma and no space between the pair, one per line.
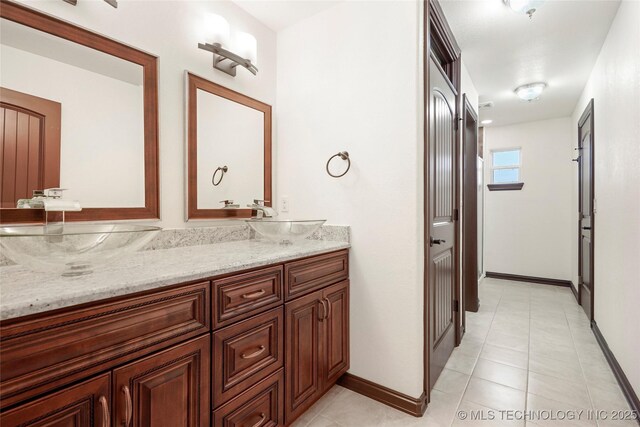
588,114
469,192
440,43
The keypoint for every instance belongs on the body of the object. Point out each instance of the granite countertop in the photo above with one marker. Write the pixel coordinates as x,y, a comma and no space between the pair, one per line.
24,292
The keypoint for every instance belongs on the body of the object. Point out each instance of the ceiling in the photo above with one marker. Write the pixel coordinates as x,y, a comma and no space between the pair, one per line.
58,49
503,50
279,14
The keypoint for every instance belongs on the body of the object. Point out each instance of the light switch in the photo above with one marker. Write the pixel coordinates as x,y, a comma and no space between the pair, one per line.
284,204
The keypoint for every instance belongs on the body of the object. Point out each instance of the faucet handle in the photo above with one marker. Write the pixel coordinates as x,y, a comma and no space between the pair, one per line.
260,202
55,193
227,202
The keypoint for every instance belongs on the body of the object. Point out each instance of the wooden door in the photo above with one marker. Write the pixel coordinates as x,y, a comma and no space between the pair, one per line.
87,404
29,145
441,157
335,333
585,210
469,207
167,389
303,318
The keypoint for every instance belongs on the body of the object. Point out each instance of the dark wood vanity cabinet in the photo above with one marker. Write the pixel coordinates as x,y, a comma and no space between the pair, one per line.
224,353
317,345
87,404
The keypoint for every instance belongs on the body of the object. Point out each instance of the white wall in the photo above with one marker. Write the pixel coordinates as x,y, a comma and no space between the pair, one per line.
528,232
102,135
615,87
172,30
337,90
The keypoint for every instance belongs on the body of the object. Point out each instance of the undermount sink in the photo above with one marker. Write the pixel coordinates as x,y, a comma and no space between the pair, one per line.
285,231
72,249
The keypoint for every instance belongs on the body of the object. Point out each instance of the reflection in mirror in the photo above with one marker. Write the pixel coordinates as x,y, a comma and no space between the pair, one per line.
229,151
100,98
230,135
75,114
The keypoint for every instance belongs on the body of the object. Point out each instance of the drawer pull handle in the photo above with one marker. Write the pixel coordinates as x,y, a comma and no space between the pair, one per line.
262,418
254,294
257,353
128,411
106,421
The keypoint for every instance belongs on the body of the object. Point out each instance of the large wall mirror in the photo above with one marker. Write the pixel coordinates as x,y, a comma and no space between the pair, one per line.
229,150
78,111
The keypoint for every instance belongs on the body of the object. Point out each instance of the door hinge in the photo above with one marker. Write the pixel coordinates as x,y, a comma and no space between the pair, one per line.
456,305
456,215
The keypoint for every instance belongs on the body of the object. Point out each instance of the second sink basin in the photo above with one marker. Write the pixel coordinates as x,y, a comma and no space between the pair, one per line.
285,231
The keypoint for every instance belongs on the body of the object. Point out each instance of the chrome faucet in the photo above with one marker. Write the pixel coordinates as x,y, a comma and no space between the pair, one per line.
228,204
262,211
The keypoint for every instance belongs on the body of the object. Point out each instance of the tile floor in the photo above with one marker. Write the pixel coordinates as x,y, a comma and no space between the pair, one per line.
528,348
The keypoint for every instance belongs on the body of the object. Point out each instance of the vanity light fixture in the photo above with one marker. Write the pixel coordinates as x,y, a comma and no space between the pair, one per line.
223,59
530,92
524,6
113,3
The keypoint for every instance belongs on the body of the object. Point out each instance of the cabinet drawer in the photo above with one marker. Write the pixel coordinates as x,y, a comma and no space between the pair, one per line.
307,275
87,404
243,295
52,350
260,406
245,353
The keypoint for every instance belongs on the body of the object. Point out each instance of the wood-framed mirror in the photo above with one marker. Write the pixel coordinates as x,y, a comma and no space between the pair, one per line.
79,111
228,150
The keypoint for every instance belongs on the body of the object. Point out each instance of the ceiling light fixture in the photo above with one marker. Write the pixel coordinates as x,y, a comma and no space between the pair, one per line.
524,6
486,122
530,92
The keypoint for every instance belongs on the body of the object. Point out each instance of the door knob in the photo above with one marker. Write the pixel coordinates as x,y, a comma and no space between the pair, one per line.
433,241
586,228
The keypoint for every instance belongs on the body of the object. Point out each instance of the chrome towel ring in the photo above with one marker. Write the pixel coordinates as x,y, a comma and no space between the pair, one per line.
344,156
222,171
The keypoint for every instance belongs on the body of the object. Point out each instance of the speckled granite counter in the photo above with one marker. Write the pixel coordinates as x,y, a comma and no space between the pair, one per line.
24,292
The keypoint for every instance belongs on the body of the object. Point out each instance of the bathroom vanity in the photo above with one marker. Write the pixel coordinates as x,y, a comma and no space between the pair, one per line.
244,333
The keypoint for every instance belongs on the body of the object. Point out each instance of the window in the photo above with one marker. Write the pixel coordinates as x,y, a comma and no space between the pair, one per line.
505,166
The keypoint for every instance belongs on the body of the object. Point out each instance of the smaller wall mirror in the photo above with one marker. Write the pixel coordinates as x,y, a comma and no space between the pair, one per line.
229,151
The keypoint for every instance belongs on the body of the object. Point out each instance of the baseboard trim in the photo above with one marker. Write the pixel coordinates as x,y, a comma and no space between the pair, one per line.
528,279
627,390
382,394
575,293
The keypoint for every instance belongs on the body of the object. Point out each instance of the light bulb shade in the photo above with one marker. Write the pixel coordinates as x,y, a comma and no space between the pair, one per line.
530,91
246,46
524,6
217,30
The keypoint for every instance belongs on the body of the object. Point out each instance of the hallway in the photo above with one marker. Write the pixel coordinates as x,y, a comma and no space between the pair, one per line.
529,347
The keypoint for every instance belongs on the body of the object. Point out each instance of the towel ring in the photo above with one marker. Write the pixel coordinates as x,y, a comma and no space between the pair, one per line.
344,156
222,170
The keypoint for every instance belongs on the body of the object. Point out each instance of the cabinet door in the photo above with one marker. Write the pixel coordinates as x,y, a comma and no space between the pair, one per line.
303,320
87,404
167,389
335,360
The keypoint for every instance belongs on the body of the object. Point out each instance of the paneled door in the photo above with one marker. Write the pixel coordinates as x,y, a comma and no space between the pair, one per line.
585,210
167,389
441,266
29,145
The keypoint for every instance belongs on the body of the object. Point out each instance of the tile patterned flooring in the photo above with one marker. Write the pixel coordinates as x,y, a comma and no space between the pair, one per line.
529,348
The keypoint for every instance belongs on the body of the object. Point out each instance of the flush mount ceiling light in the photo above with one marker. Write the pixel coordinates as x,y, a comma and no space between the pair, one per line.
530,92
524,6
486,122
218,36
113,3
